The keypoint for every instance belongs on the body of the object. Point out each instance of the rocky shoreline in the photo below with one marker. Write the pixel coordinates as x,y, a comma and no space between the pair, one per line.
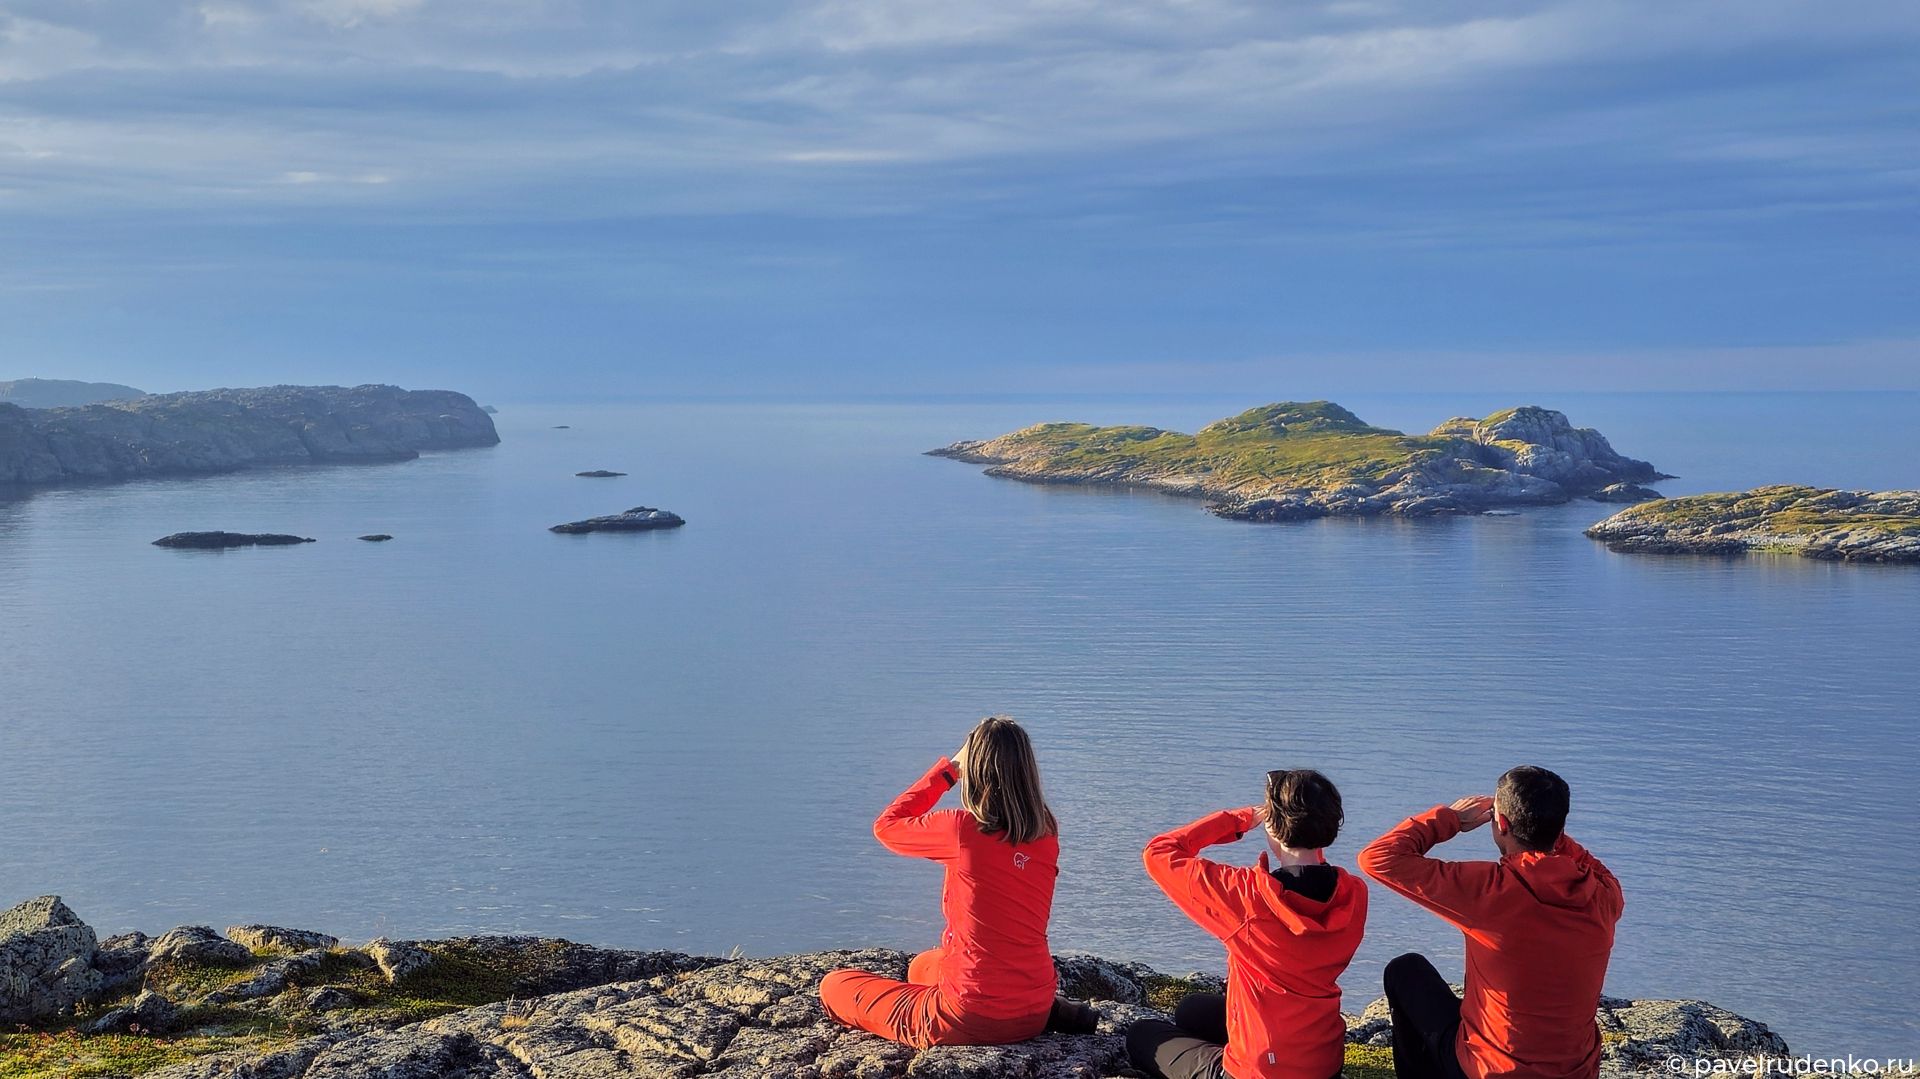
212,431
1301,460
1812,522
263,1002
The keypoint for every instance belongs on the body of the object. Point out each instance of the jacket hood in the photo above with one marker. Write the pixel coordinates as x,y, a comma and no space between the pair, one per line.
1303,915
1559,877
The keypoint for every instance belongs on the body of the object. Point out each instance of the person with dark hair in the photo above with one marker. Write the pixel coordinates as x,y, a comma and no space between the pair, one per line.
1290,925
991,981
1539,930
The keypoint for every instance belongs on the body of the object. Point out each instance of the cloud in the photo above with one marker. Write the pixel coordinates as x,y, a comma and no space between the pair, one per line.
485,98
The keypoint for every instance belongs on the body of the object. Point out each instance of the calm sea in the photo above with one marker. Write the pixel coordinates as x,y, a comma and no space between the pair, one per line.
678,740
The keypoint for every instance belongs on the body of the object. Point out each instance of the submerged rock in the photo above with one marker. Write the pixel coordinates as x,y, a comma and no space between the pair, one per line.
376,537
637,519
599,474
1812,522
215,541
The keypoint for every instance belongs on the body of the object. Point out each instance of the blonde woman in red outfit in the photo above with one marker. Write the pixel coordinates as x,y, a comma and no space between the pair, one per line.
991,981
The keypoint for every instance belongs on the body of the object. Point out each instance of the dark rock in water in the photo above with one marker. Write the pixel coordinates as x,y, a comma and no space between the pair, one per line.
214,541
1625,493
377,537
562,427
213,431
599,474
637,519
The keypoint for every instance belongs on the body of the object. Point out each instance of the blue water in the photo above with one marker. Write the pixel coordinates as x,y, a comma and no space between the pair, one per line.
679,739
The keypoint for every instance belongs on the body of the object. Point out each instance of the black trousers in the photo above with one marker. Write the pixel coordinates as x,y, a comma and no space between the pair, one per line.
1190,1047
1426,1016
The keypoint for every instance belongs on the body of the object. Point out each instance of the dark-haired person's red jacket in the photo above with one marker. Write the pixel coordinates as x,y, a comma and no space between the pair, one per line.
997,898
1285,952
1539,930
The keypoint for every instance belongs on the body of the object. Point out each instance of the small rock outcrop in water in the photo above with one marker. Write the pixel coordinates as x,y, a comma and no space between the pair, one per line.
536,1008
212,431
599,474
1294,461
214,541
1837,526
376,537
637,519
1625,492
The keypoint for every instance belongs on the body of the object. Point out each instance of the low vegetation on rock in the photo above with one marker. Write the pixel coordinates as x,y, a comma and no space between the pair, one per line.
1294,460
1813,522
261,1002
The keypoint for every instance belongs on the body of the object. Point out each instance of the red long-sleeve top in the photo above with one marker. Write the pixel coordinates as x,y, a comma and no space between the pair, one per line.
997,898
1539,931
1285,951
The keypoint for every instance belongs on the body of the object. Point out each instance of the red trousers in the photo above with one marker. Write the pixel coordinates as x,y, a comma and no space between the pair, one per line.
915,1012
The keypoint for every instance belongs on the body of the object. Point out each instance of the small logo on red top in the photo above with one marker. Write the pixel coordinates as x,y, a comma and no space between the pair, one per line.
1019,861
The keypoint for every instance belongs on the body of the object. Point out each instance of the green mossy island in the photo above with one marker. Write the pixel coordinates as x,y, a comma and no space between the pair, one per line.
1812,522
1298,460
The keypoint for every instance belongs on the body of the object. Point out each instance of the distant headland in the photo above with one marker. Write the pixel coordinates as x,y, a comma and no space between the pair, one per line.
1296,461
210,431
63,392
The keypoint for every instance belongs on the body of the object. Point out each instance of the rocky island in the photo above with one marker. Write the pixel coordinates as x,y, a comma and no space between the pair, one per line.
1812,522
1294,461
220,541
262,1002
637,519
211,431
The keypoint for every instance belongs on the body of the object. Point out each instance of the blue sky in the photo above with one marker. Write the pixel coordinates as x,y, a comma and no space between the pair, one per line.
548,197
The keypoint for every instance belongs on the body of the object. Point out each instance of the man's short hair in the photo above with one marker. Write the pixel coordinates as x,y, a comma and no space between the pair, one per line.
1303,808
1535,803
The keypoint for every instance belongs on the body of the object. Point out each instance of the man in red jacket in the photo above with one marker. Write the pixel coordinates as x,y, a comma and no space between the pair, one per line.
1290,930
1539,929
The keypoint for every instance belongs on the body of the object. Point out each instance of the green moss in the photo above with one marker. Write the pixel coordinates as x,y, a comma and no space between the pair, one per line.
1164,993
70,1055
1368,1062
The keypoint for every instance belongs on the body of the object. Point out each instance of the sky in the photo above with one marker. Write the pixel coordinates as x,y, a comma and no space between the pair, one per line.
545,199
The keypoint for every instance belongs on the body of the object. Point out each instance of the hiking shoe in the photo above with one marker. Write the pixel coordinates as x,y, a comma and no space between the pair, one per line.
1072,1017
